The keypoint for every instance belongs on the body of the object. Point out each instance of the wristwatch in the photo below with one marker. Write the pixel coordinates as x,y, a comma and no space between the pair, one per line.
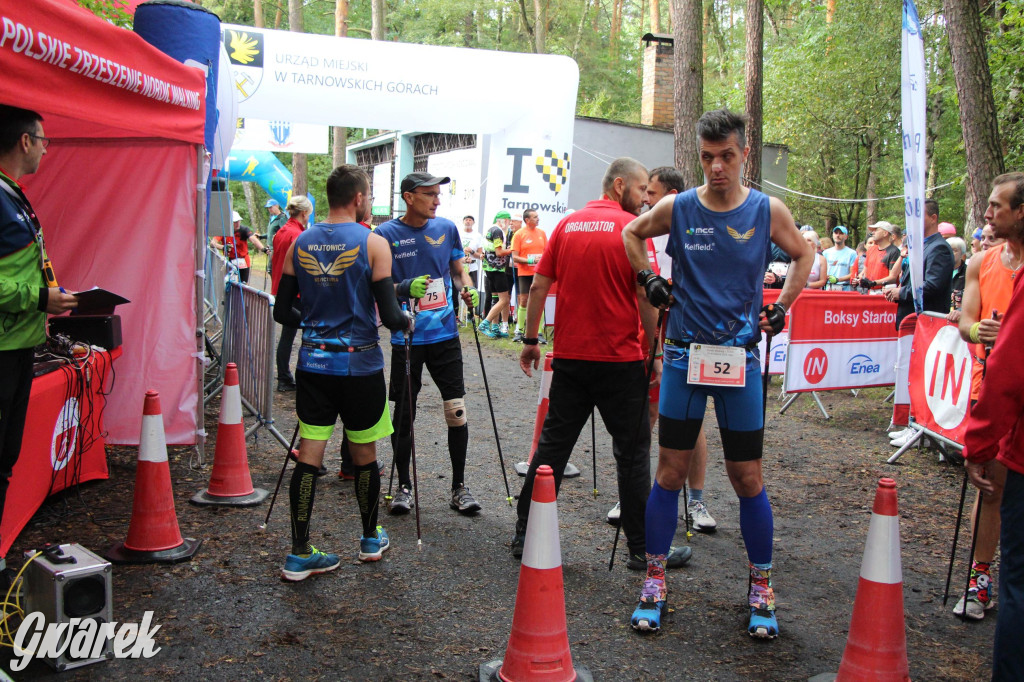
530,342
643,276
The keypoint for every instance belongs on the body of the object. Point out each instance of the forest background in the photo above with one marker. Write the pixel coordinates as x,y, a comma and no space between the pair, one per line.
830,71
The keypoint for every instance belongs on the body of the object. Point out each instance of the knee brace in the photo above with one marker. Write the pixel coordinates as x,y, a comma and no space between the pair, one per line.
455,412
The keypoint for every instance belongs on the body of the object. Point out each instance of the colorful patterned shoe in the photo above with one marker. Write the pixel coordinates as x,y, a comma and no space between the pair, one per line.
653,597
761,598
979,593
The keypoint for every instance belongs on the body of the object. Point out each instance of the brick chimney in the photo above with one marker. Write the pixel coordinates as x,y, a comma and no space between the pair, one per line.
656,100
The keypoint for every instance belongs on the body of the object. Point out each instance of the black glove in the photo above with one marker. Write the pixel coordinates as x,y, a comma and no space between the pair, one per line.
775,314
867,283
659,291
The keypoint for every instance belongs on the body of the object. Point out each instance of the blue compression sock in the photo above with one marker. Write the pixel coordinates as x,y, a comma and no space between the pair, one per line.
757,527
695,495
660,518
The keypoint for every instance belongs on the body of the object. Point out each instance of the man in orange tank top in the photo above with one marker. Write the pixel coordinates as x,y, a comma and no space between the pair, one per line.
987,290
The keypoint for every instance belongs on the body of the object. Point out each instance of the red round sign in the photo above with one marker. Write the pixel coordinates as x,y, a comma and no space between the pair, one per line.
815,366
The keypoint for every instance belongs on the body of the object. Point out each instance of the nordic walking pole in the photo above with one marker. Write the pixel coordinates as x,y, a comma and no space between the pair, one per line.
593,446
639,425
956,537
490,406
970,557
977,515
412,432
287,456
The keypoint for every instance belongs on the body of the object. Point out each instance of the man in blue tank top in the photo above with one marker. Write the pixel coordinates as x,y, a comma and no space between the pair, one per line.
341,269
427,251
720,237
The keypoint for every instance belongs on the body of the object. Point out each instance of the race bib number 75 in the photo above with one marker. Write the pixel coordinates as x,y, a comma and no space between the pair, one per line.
436,296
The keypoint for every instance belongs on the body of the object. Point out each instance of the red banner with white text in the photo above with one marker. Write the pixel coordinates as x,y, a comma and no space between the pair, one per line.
940,378
841,340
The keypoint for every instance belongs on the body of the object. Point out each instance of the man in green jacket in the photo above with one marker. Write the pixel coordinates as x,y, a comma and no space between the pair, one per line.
28,288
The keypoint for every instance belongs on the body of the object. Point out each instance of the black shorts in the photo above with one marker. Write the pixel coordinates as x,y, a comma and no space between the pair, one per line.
497,281
360,401
524,282
444,362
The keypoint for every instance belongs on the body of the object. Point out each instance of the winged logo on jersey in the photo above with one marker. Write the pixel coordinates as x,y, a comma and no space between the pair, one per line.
741,238
435,242
340,264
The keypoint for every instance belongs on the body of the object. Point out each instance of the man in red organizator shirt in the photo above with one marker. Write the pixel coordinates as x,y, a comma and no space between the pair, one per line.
597,361
996,432
299,209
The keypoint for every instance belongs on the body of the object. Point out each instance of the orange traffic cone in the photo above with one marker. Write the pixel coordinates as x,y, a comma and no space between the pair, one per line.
876,648
538,647
522,468
230,482
153,535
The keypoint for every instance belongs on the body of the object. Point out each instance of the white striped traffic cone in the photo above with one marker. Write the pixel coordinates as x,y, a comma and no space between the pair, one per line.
876,648
153,534
538,646
230,481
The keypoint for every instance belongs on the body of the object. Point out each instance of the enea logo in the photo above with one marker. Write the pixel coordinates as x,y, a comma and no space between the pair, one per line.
245,53
862,364
552,166
815,366
779,353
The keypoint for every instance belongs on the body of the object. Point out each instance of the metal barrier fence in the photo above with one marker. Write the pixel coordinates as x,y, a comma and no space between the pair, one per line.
248,342
217,270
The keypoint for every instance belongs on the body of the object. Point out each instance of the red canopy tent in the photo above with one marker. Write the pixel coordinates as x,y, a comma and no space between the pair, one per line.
117,192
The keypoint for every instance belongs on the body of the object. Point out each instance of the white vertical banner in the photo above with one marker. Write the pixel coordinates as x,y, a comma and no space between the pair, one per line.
381,189
461,196
914,92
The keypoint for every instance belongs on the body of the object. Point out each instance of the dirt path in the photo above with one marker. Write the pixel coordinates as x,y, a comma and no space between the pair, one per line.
439,611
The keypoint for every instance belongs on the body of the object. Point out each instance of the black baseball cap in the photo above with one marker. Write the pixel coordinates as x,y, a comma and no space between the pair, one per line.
420,179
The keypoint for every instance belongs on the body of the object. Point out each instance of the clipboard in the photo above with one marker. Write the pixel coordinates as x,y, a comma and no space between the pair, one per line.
97,301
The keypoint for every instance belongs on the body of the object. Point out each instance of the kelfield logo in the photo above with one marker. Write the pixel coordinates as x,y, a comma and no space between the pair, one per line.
82,639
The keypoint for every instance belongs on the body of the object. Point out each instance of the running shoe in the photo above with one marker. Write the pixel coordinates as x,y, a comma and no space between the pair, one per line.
503,331
700,518
677,557
979,594
517,337
298,567
761,599
613,514
463,502
541,340
371,549
483,326
518,541
491,332
900,433
653,599
402,501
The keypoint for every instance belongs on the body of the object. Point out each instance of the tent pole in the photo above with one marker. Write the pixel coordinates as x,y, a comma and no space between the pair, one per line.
200,260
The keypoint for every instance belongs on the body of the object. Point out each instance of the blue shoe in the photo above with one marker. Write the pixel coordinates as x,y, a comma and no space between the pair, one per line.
299,568
371,549
647,615
483,327
762,624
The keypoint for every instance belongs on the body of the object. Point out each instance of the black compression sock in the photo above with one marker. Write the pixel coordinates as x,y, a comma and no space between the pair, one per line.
301,494
368,495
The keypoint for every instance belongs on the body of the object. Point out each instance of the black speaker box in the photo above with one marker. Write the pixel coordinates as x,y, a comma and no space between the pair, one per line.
96,330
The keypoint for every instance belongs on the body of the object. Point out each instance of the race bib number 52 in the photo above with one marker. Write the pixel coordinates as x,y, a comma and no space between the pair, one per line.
717,365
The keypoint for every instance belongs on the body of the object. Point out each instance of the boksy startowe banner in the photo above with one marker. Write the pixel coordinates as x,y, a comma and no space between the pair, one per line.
840,340
940,378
